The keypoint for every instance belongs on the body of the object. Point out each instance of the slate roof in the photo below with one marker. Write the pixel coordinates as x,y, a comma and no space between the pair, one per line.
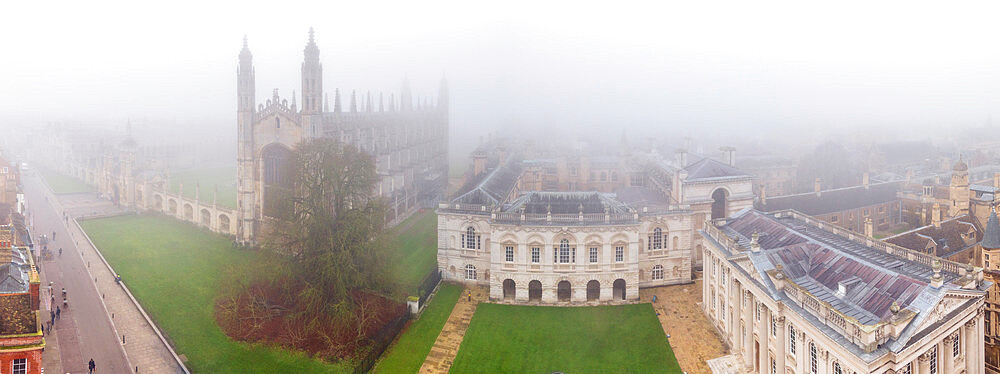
708,168
819,260
836,200
947,239
567,203
13,278
991,237
493,187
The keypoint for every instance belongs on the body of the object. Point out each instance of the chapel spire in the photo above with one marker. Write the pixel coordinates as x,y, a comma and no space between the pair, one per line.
312,77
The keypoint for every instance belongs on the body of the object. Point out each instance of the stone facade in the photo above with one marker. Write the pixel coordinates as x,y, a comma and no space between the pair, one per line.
780,317
408,141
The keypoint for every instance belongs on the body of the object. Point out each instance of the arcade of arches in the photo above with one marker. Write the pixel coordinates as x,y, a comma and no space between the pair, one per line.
565,291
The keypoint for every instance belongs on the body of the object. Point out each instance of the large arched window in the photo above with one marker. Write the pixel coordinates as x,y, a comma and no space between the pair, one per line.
470,272
813,367
656,240
470,240
658,272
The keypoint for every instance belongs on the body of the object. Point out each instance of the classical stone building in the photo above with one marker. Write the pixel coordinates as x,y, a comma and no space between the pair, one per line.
582,229
793,294
408,140
990,246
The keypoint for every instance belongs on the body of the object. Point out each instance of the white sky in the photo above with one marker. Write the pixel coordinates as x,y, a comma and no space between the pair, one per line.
670,65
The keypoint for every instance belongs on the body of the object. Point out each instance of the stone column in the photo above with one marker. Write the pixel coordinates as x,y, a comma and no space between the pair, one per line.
747,330
946,358
763,332
780,341
801,351
923,364
969,332
978,351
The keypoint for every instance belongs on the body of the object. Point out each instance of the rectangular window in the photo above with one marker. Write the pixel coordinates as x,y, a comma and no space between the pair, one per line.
774,366
536,255
573,251
774,327
593,254
20,366
509,253
619,254
555,254
758,312
908,369
791,340
564,255
955,345
722,310
933,360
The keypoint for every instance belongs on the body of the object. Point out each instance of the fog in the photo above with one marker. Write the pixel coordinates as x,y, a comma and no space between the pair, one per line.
720,69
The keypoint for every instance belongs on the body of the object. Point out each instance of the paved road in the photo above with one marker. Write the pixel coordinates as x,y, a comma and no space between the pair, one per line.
84,331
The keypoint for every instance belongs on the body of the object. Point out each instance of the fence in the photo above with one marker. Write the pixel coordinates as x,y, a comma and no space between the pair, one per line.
428,284
380,342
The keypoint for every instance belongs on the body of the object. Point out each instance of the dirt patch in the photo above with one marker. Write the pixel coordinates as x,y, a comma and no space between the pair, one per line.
269,315
692,337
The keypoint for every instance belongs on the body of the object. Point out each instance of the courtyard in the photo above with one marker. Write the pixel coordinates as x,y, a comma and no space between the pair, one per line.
208,178
543,339
174,270
63,184
692,337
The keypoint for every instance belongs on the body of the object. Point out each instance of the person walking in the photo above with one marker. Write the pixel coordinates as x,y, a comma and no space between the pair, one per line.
53,235
92,366
60,251
58,312
52,317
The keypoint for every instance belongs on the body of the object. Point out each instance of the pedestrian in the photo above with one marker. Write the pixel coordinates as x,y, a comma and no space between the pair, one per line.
58,312
52,317
469,295
60,251
92,366
53,235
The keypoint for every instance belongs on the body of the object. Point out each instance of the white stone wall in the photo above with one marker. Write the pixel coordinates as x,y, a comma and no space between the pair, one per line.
635,269
752,337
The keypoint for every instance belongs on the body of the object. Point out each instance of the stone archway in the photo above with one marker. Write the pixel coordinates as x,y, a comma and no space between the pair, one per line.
618,291
509,289
593,290
534,291
158,202
564,291
188,212
224,223
206,218
276,176
719,204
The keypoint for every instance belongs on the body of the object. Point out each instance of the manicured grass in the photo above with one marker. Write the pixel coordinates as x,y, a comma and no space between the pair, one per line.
173,269
415,248
413,345
541,339
223,177
61,183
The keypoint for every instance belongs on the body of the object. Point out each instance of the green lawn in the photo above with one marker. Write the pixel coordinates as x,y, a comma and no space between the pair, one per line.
173,269
208,178
61,183
544,339
415,248
413,345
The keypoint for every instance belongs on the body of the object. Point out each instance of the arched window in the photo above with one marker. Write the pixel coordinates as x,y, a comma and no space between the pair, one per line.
470,272
658,272
812,358
656,242
469,239
564,251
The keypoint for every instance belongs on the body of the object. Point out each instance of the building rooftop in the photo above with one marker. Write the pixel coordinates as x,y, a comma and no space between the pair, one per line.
854,278
835,200
566,203
707,169
951,236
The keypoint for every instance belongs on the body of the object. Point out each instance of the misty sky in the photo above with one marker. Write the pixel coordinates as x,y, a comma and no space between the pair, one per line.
707,66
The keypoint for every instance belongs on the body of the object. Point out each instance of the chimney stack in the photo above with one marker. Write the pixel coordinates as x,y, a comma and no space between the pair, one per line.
936,215
864,180
763,194
869,227
818,186
681,157
729,155
478,163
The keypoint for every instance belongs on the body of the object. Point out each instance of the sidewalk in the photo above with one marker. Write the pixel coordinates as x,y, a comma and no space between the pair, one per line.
143,349
445,348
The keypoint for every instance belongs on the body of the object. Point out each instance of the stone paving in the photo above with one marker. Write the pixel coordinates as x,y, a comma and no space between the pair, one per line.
692,337
144,351
445,348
